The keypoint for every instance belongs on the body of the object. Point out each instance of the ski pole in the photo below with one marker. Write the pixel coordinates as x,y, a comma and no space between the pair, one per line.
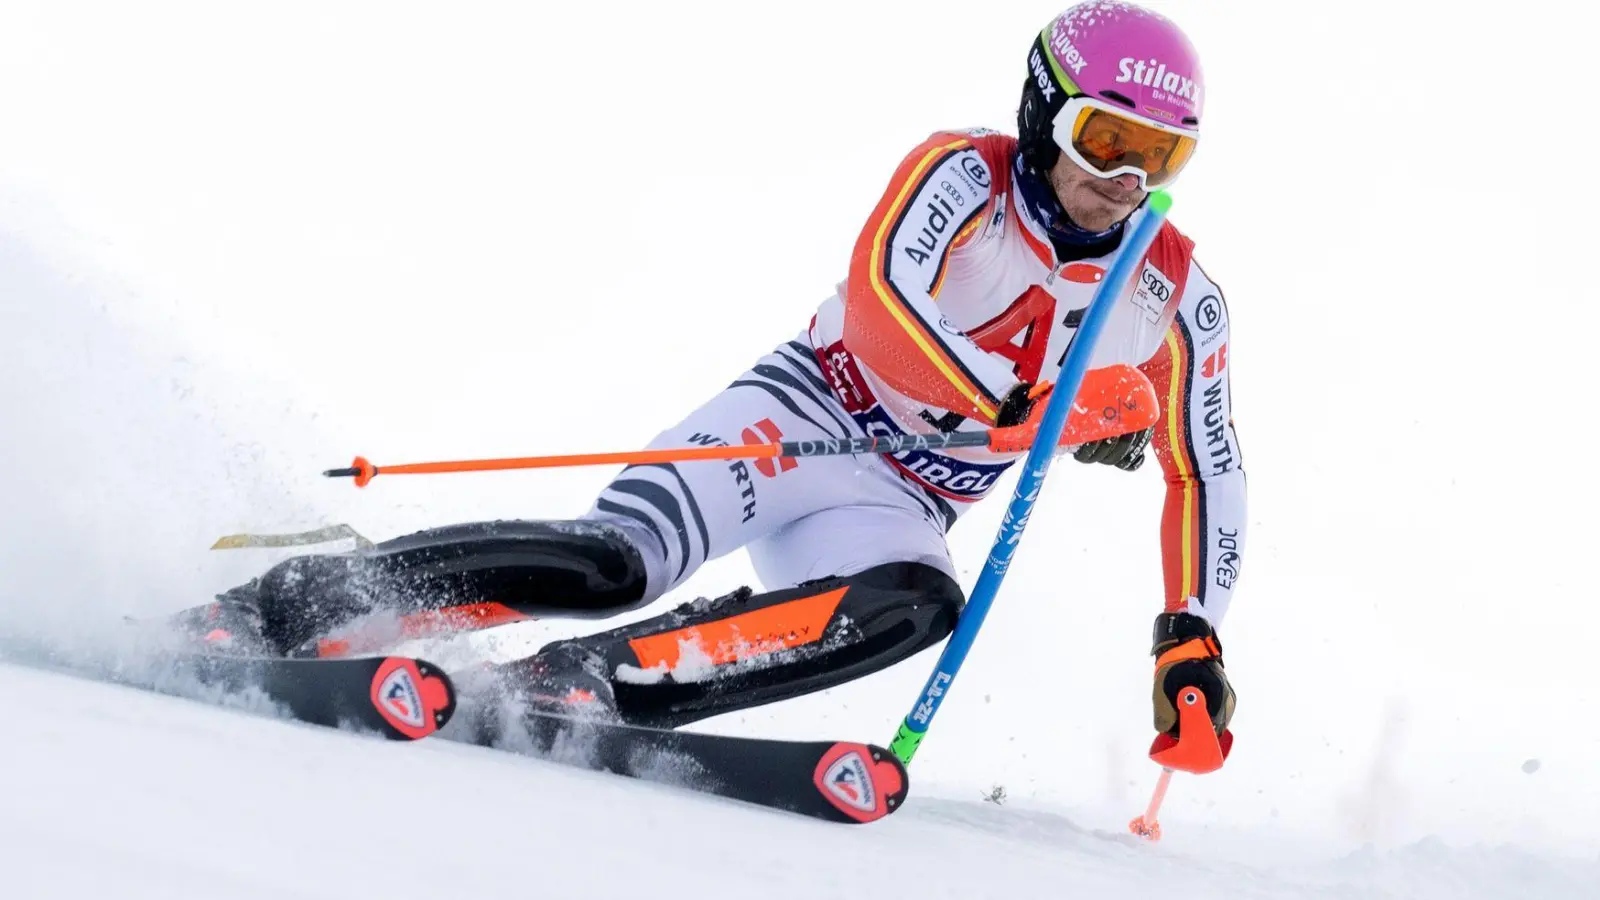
1120,400
1146,826
1031,482
1197,748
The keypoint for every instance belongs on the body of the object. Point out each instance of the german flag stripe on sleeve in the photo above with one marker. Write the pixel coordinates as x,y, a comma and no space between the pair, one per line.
1183,525
936,200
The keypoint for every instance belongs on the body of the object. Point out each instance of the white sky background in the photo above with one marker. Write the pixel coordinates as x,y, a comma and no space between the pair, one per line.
240,243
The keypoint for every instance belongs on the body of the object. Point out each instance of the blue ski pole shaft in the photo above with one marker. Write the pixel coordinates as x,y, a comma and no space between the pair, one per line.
1037,464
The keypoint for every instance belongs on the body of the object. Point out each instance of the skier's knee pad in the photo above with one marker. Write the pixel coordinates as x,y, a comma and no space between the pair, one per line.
745,649
575,569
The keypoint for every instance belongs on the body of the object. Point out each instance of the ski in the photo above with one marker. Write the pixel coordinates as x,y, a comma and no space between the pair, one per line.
399,697
836,781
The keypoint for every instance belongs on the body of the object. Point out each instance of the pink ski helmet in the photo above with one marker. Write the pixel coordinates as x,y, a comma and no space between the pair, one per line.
1131,64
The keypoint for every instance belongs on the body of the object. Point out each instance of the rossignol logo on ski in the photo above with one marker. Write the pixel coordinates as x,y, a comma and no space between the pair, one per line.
399,699
864,783
411,697
847,780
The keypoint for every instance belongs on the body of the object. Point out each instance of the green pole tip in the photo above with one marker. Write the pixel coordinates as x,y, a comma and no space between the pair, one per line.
1160,202
905,743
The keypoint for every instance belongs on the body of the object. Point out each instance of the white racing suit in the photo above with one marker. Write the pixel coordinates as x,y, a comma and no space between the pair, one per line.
954,296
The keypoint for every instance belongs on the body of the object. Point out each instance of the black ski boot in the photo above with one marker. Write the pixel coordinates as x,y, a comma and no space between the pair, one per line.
512,704
566,679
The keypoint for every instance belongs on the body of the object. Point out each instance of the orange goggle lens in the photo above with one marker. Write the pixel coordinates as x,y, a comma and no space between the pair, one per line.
1109,142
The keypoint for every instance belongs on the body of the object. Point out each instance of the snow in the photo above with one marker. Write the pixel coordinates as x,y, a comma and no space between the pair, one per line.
159,797
238,247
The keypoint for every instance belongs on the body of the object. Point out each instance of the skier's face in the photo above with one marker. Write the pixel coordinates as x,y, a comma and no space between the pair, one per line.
1093,202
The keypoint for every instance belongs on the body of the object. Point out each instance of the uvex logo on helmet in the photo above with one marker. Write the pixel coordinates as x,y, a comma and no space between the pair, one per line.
1065,51
1154,74
1041,76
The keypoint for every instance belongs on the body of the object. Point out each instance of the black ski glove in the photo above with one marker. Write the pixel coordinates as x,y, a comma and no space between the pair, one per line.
1020,403
1126,452
1188,654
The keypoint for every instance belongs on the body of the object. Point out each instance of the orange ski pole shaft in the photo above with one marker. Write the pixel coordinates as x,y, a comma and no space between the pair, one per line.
363,471
1113,401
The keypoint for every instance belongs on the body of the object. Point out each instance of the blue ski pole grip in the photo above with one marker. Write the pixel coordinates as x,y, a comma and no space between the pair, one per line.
1031,482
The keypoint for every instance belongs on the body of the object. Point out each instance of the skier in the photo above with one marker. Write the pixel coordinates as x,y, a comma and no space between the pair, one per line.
965,286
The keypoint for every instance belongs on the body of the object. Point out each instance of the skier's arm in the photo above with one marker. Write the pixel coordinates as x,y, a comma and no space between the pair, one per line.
936,200
1203,522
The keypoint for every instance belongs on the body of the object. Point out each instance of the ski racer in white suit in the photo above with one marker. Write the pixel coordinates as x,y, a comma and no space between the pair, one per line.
966,285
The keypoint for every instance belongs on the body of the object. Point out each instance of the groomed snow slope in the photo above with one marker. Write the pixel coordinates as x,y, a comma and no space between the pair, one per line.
113,792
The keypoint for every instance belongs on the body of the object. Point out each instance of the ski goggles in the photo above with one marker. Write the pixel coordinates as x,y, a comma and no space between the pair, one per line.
1108,142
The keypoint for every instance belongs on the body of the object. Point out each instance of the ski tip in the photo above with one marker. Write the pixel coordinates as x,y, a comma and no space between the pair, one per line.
414,697
863,782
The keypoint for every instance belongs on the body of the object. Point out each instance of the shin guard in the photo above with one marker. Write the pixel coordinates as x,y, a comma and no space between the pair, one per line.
744,649
452,579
